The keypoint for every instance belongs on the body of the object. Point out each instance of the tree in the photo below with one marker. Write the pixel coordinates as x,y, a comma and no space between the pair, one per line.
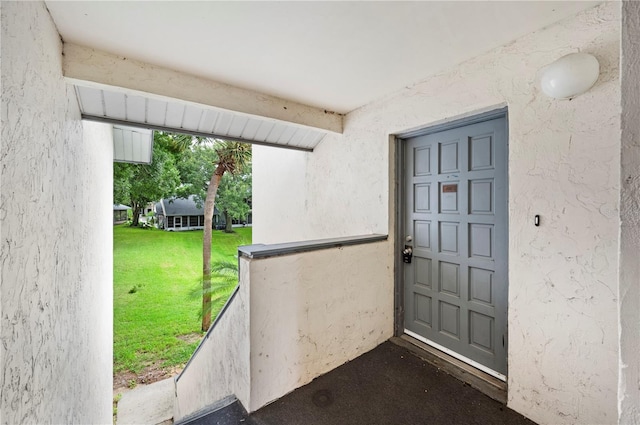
233,196
196,165
224,278
122,174
233,157
202,164
139,184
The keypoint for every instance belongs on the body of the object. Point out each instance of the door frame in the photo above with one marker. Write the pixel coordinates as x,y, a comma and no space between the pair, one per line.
398,148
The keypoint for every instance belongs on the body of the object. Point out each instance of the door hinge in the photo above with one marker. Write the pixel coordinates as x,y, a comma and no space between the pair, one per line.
503,340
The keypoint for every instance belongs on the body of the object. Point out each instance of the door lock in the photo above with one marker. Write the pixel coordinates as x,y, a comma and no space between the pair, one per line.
407,254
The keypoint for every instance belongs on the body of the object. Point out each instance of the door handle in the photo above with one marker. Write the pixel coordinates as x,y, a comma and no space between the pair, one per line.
407,254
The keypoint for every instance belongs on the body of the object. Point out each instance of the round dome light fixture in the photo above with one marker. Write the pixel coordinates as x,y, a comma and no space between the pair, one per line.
570,75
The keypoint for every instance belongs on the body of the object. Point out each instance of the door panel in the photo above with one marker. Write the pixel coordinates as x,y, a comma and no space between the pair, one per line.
455,199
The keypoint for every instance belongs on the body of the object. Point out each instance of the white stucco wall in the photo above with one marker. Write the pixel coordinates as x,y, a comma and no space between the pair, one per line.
292,320
563,164
629,290
282,218
55,206
314,311
220,367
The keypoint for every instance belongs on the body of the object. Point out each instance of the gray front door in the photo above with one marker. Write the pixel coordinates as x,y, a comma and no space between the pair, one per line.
455,221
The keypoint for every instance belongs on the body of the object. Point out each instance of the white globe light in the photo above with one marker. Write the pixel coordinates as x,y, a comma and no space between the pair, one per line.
570,75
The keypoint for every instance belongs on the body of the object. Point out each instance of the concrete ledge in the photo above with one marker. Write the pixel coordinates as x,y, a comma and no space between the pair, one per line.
201,415
274,250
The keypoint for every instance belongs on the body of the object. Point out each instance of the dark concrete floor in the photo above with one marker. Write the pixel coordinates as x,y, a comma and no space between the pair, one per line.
386,386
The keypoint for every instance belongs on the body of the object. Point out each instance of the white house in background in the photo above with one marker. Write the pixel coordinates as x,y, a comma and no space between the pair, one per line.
406,125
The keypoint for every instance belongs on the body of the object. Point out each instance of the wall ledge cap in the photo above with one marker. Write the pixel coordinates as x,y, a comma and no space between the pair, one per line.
258,251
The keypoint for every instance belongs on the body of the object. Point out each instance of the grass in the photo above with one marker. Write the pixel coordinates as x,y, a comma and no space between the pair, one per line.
116,399
154,277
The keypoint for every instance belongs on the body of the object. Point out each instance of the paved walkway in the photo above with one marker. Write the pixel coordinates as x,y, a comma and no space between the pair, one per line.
147,405
386,386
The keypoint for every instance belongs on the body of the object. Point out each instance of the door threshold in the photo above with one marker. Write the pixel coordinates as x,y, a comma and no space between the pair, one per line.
460,357
482,381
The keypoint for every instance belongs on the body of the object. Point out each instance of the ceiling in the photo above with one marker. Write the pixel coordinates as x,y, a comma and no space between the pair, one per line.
332,55
156,112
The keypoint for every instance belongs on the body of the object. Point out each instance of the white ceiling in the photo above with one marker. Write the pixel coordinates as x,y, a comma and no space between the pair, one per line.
117,106
333,55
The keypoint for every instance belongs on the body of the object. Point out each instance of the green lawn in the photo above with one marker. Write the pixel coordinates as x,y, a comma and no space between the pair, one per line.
155,274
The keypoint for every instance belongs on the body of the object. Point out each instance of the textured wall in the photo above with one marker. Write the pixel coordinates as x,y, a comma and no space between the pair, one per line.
262,352
279,213
55,206
220,368
563,164
629,290
313,312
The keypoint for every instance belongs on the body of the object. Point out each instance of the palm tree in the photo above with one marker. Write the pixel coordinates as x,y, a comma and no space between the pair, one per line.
233,157
224,279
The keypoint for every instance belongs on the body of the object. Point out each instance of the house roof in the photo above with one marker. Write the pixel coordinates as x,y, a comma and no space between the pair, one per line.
120,207
180,206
